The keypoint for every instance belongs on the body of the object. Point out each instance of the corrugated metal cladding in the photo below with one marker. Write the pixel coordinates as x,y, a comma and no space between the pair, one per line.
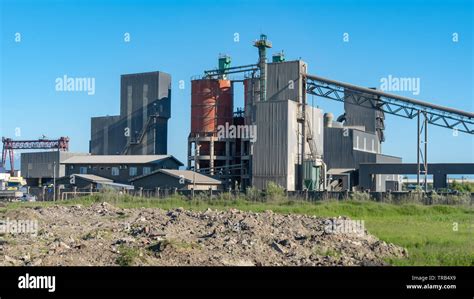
361,115
107,135
315,117
340,148
251,95
36,165
340,152
150,93
284,80
141,95
275,153
270,153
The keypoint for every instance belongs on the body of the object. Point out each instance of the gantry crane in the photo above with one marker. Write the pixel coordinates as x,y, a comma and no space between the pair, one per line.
9,145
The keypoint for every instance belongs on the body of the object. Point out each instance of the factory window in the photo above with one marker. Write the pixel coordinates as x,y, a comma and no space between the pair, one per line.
83,170
365,144
146,170
357,142
133,171
373,145
115,171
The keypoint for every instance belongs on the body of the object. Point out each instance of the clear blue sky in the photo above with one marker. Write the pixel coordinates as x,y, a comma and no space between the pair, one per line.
183,38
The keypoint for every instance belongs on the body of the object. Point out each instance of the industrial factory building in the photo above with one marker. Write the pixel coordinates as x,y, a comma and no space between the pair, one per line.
277,136
356,137
270,151
293,144
39,168
90,182
142,126
119,168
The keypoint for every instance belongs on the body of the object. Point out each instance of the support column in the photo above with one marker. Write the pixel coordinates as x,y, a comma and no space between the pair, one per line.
211,156
190,145
197,152
422,153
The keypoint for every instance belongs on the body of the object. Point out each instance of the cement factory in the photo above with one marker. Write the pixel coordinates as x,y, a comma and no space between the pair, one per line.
276,137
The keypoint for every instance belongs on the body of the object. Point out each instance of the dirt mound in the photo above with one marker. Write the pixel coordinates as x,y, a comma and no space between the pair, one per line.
105,235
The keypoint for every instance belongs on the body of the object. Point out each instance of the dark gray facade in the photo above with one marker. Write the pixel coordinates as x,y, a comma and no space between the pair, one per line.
142,126
119,172
363,114
38,167
107,135
346,148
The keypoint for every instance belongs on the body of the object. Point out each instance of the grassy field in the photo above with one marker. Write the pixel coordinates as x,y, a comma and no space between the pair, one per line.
433,235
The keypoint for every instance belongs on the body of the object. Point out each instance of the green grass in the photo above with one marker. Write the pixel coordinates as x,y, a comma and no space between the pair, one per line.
427,232
127,256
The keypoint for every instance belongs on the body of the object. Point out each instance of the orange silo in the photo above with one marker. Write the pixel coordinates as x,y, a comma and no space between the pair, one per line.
211,105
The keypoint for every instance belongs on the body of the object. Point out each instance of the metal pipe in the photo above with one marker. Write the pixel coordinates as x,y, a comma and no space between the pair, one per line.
303,135
263,73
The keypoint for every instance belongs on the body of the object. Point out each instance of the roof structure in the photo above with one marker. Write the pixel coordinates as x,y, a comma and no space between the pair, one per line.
188,175
92,178
118,159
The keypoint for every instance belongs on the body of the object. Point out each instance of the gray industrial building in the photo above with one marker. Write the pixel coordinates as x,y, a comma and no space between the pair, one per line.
119,168
277,150
353,140
142,126
38,167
